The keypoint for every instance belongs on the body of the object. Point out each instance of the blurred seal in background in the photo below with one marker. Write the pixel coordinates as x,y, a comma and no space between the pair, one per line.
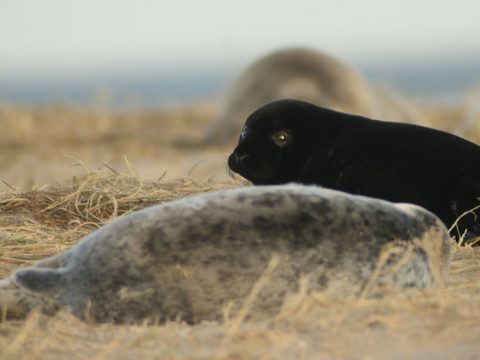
309,75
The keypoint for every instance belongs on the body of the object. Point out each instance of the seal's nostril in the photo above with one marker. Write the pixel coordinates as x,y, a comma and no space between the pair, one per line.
240,157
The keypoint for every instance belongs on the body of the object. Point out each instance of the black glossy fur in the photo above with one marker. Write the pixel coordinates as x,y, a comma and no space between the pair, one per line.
392,161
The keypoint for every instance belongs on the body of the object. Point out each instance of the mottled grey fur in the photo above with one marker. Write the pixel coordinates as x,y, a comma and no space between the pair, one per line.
189,258
309,75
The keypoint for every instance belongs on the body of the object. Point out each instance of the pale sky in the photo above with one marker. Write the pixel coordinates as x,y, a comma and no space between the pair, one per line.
56,37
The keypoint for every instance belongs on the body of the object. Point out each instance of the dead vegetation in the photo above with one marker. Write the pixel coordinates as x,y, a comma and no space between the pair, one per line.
37,220
435,324
39,223
41,145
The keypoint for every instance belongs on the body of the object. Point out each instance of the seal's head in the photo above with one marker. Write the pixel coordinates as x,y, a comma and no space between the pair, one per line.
275,142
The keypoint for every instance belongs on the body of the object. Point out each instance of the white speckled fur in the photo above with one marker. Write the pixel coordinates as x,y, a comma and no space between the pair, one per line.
192,256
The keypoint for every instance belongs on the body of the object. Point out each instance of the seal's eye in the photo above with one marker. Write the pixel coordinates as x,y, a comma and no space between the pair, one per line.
281,138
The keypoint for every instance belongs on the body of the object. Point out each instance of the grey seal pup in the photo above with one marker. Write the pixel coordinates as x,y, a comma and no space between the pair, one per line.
190,258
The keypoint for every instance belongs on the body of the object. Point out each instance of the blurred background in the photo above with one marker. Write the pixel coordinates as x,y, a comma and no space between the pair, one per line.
145,52
95,80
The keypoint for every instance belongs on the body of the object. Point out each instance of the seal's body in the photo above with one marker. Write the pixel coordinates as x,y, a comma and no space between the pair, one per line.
290,140
192,257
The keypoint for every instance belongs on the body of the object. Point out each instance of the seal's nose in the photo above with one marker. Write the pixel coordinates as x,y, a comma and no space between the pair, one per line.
236,161
240,158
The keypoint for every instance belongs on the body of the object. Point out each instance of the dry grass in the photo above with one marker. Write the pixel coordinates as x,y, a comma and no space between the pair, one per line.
416,324
436,323
39,223
41,145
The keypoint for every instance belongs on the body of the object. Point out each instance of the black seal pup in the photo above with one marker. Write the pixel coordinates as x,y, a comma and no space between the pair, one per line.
192,257
294,141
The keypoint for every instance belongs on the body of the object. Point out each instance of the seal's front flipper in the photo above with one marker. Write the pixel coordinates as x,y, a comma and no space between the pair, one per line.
38,280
